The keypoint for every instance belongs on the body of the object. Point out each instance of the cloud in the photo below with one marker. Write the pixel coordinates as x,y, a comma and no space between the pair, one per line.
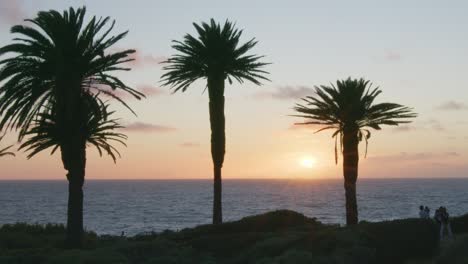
147,89
141,59
148,128
452,154
435,125
431,124
300,127
150,90
392,56
452,106
190,144
420,156
11,11
404,128
387,56
286,93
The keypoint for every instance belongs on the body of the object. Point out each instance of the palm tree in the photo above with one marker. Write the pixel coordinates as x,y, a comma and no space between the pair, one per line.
348,108
58,61
215,55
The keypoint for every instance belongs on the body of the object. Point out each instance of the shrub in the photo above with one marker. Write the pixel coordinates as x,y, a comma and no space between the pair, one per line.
291,257
100,256
276,237
160,250
269,222
22,236
339,245
297,257
455,252
226,245
400,240
26,256
33,228
181,256
271,245
459,224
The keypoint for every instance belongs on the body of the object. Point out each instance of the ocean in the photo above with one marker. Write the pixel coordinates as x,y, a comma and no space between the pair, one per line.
136,206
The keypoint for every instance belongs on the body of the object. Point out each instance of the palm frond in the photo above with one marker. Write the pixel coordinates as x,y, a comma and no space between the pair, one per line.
4,151
350,103
99,130
58,46
215,51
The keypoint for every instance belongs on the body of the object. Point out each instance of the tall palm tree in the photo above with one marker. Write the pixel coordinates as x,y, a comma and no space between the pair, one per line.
57,61
215,55
349,108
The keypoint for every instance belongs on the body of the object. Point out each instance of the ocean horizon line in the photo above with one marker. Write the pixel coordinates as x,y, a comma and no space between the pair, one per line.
247,179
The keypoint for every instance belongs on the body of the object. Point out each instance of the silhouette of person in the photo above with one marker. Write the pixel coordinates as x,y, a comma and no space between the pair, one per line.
421,212
427,212
445,223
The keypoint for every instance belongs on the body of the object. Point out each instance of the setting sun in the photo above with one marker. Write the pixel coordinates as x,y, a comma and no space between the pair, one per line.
307,162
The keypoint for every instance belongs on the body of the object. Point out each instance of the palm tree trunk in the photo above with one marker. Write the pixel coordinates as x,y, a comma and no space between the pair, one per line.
71,121
76,175
350,173
75,214
217,197
218,141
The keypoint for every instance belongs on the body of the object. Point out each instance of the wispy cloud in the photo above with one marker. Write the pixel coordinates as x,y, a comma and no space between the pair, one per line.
190,145
147,89
148,128
405,128
429,124
435,125
140,58
150,90
420,156
11,11
391,55
145,59
304,127
286,93
452,106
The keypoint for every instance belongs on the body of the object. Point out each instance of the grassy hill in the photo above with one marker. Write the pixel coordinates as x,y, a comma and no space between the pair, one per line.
275,237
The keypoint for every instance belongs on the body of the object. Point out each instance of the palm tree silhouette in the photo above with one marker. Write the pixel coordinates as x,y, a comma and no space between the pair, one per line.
348,107
59,61
216,56
99,129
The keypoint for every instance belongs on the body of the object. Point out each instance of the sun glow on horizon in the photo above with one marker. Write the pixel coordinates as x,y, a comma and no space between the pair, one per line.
308,162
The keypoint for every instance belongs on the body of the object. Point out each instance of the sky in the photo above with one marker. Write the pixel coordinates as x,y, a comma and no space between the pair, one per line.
415,51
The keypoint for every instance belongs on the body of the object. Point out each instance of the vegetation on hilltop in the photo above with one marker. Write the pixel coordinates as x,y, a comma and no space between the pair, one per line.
275,237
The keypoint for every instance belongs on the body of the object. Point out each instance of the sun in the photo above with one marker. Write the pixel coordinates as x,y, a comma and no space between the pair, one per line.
307,162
